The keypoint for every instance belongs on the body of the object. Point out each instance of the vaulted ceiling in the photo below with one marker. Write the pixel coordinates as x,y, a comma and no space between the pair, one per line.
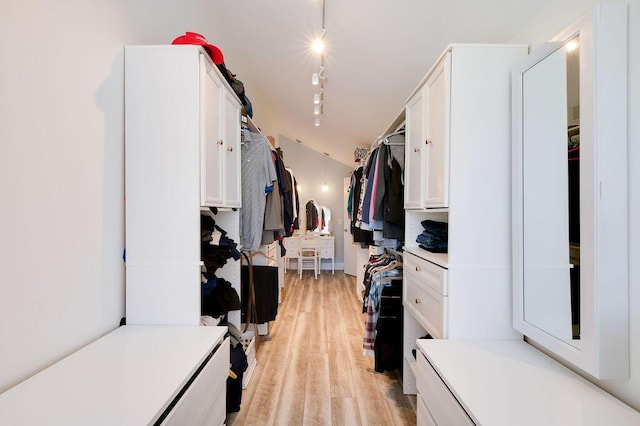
376,53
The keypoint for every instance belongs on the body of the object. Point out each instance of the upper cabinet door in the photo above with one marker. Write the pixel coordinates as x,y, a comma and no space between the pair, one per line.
436,143
414,170
211,137
427,145
231,156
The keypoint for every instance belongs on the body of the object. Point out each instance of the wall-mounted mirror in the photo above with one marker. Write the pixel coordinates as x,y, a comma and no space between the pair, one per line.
317,218
569,194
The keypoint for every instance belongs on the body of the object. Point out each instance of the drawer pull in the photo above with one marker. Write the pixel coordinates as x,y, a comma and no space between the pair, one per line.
418,301
418,269
416,149
220,142
230,149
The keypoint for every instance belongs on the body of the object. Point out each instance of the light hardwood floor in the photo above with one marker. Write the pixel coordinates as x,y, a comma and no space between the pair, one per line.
311,370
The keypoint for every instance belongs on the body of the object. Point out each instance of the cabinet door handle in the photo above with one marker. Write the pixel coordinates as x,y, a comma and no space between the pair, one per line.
230,149
416,149
220,142
418,301
418,269
427,142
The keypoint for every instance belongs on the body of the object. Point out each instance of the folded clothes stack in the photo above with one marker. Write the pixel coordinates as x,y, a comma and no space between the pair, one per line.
434,238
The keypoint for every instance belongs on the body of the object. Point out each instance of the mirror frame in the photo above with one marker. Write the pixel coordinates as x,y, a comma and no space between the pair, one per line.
603,348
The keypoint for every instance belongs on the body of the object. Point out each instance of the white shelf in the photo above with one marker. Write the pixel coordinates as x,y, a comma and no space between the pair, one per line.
440,259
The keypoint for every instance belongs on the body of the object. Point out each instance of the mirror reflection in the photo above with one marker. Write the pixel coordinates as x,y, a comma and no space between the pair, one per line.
317,218
551,193
573,171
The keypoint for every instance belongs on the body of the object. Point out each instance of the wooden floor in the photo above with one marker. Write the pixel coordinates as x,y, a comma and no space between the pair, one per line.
311,370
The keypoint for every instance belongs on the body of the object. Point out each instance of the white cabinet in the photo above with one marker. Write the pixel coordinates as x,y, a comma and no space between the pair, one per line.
134,375
458,130
427,183
182,131
507,382
220,140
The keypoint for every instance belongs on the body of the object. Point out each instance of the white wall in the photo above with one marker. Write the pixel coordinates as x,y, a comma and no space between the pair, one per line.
61,168
311,169
539,30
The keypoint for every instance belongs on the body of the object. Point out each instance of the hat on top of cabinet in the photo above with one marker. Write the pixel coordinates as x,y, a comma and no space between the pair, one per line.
199,39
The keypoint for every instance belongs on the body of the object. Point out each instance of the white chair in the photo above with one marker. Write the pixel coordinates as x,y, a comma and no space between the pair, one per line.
308,255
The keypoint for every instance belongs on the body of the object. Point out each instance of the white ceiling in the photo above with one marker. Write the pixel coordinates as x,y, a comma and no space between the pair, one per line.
377,52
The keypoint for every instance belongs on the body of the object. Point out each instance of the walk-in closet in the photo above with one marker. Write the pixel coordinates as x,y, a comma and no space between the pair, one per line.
320,212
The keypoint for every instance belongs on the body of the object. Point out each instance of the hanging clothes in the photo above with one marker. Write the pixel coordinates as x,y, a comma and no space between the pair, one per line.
381,272
293,200
364,237
376,195
258,173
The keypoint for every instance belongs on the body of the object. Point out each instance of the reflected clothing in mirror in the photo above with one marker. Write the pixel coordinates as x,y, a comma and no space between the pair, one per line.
312,216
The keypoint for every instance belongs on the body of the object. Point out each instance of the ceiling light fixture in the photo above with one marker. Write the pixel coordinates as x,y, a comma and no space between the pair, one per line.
318,45
318,78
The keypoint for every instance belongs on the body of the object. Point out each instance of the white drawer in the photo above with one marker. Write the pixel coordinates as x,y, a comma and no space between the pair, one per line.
204,402
439,401
433,275
427,305
291,243
325,243
424,416
326,253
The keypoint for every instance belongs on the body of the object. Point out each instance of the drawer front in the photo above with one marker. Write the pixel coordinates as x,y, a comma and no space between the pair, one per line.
204,402
424,416
291,243
439,401
432,275
326,253
325,243
427,305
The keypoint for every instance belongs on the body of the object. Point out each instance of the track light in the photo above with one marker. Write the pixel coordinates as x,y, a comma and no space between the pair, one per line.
317,109
317,76
317,122
317,97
